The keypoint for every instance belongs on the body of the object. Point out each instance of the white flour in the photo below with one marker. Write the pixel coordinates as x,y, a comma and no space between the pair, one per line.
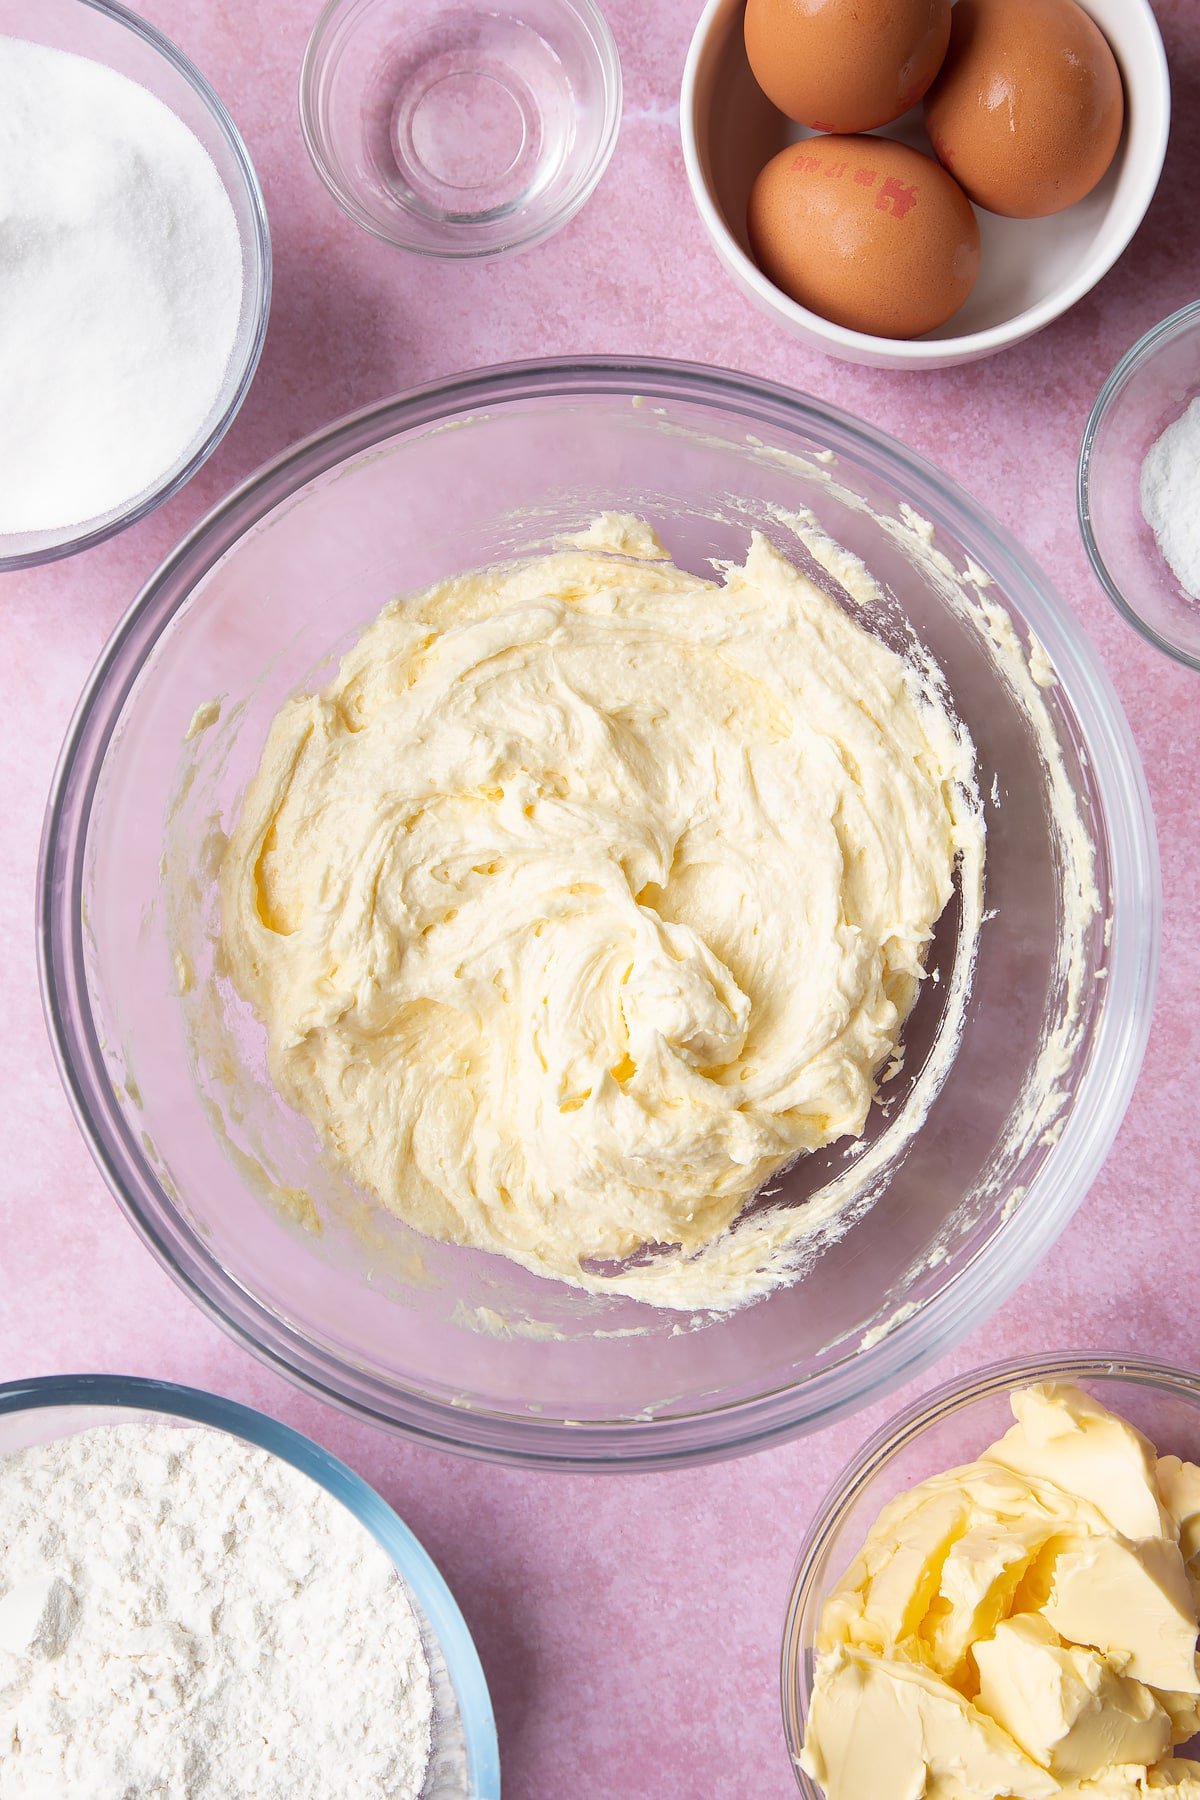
1171,497
185,1617
120,289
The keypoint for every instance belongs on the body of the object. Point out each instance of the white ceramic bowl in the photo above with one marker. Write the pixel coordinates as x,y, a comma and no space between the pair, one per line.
1033,269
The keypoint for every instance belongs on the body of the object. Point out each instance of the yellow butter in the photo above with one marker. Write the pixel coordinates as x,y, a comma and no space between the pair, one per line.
1117,1784
1022,1625
1178,1777
921,1539
1065,1705
891,1720
979,1580
1179,1489
1064,1436
1183,1710
1132,1601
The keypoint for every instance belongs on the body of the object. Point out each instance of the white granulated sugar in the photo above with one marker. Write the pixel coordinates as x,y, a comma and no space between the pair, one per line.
120,289
1171,497
184,1617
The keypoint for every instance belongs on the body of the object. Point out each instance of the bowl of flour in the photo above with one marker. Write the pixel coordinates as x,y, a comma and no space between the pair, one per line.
135,273
1139,486
195,1600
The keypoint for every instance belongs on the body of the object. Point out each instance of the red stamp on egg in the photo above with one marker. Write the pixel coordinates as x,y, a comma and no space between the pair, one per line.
896,198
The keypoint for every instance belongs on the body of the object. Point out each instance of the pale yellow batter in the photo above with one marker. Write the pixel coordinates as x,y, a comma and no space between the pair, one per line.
591,893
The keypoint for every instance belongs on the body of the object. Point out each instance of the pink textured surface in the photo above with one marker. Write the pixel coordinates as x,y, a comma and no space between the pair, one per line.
629,1626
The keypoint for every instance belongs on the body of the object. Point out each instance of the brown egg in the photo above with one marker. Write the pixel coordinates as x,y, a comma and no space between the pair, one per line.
1028,109
865,232
845,65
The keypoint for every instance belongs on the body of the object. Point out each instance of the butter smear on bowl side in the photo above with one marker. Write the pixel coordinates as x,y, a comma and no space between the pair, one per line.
1024,1626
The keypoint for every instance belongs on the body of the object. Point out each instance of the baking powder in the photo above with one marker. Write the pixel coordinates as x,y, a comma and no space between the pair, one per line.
1171,497
184,1616
120,289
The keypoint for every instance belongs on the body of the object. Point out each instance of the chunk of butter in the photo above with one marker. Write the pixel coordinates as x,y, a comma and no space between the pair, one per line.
894,1582
1024,1626
1179,1489
896,1722
1177,1777
1174,1776
1065,1437
1134,1602
1132,1782
1066,1706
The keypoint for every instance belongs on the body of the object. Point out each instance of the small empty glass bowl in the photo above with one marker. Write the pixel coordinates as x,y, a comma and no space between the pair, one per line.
944,1429
465,1764
105,32
460,130
1150,388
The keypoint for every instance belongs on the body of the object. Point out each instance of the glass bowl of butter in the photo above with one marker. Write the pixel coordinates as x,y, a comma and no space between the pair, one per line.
1000,1594
832,1273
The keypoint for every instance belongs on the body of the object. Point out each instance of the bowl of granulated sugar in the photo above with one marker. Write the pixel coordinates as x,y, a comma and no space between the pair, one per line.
1139,486
135,273
196,1600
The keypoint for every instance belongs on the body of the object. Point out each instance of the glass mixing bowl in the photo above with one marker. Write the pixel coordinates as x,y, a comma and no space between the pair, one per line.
228,1186
946,1428
107,33
465,1764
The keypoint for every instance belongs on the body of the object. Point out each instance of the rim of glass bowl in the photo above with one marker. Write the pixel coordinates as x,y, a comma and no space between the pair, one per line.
1126,370
257,276
929,1410
727,1430
322,42
409,1556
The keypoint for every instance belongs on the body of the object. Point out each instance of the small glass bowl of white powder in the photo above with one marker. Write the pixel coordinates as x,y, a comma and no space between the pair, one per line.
135,273
196,1600
1139,486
